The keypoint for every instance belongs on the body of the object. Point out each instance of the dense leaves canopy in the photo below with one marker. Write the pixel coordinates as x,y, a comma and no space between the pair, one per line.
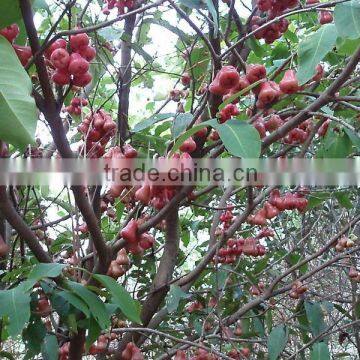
179,272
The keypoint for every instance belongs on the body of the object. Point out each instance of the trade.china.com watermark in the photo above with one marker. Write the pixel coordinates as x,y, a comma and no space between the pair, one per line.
180,172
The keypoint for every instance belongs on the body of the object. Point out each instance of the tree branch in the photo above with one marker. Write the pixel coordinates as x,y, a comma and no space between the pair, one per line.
125,79
323,99
162,278
51,113
14,219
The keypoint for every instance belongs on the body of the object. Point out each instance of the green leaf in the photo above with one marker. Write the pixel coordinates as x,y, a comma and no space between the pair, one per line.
10,12
94,332
140,50
111,308
191,132
304,325
192,4
18,115
315,315
354,137
343,200
50,348
59,304
15,304
340,355
347,19
185,238
110,33
269,319
162,128
343,311
174,296
279,54
239,138
75,301
180,124
320,351
95,305
120,207
258,324
357,309
72,323
198,326
142,35
291,36
218,279
41,5
336,146
121,298
162,22
295,258
254,45
42,270
34,334
65,205
142,125
313,49
199,60
6,355
347,46
261,265
317,199
277,341
214,15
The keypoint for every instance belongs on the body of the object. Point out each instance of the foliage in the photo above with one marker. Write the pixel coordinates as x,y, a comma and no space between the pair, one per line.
251,271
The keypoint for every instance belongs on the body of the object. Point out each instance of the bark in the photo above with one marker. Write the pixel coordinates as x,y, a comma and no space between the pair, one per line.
163,276
125,79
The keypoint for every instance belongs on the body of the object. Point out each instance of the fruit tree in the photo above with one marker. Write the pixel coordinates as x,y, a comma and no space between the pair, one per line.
199,271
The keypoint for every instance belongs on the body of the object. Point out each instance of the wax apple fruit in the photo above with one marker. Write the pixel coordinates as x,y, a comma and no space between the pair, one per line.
61,77
77,65
325,17
289,83
189,145
11,32
82,80
260,127
87,52
273,123
132,352
129,151
60,58
44,307
255,72
143,194
269,92
71,68
129,232
79,41
180,355
319,73
225,81
24,53
227,112
186,79
228,77
4,248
